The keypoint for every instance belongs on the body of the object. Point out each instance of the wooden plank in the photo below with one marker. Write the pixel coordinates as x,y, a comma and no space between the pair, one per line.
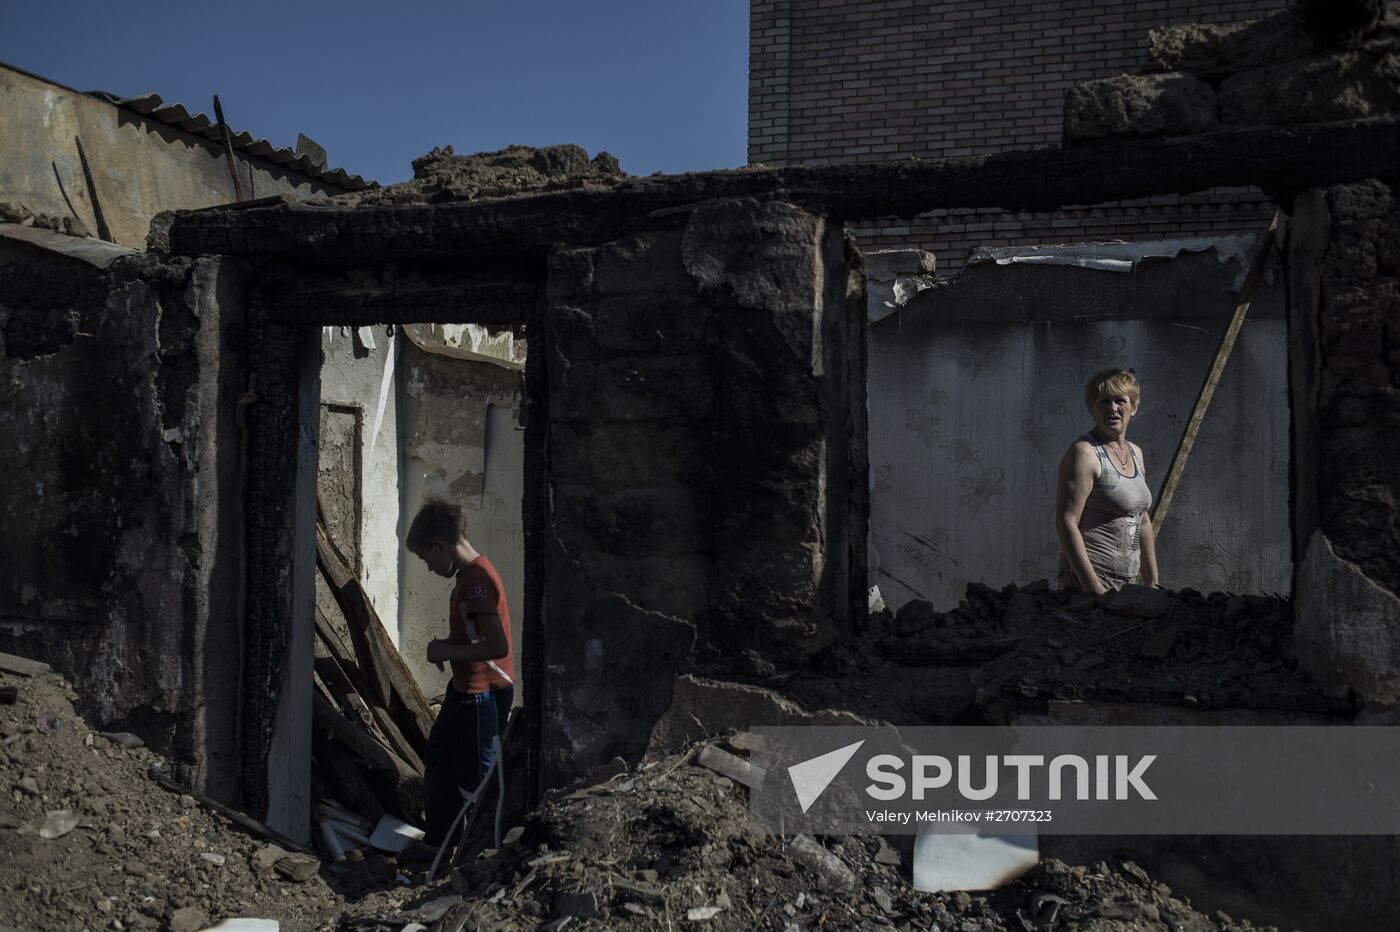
1262,251
342,693
332,641
360,742
396,739
23,666
233,815
339,771
389,679
228,149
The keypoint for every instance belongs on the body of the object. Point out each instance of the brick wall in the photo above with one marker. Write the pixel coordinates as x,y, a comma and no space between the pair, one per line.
869,80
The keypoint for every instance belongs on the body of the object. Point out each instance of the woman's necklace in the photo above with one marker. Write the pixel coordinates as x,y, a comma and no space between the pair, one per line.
1122,460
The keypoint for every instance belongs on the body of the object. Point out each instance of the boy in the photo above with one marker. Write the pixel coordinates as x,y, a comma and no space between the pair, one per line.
478,648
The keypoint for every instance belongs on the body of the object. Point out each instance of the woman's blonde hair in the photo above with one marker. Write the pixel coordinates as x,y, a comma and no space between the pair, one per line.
1111,382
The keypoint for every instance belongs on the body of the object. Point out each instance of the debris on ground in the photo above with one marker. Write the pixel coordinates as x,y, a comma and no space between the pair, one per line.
91,841
670,844
94,841
1004,650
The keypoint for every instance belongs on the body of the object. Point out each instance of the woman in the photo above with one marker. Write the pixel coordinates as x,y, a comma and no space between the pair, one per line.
1102,498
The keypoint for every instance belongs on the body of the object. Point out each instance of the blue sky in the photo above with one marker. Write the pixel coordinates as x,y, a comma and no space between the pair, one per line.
662,85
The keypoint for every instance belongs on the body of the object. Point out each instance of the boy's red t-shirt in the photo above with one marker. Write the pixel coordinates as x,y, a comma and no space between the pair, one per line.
479,590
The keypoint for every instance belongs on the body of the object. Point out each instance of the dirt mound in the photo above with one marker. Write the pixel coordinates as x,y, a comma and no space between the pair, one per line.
443,175
125,853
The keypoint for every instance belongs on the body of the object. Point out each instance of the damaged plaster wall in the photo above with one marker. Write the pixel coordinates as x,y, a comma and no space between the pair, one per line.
1344,252
701,460
119,532
976,390
360,428
139,167
460,443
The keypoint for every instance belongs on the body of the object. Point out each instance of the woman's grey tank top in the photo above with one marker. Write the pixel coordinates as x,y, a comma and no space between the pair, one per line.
1112,518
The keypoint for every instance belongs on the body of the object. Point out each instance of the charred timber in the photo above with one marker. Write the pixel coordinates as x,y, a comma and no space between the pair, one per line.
1280,160
492,304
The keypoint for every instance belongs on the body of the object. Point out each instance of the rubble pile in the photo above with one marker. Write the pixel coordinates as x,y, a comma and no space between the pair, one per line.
670,845
1181,648
95,841
18,213
91,841
1313,62
443,175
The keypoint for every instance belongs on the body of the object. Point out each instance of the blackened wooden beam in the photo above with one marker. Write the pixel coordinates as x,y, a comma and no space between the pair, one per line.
1280,160
488,303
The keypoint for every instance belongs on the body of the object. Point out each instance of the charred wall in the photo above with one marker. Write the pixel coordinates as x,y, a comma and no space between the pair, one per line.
115,542
1345,323
700,451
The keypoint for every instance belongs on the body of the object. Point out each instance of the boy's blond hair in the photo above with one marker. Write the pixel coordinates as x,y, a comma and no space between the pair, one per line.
1111,382
438,521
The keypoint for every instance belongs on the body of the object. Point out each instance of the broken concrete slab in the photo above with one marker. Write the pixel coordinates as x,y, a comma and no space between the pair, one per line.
1139,105
266,857
701,707
732,766
297,868
1346,85
22,666
1215,49
832,873
59,822
123,739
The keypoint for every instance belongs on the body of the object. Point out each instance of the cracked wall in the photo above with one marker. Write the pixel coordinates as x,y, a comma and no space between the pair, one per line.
1345,317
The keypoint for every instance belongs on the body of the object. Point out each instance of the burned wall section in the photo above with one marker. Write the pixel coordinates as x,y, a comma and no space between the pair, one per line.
121,560
700,457
1345,321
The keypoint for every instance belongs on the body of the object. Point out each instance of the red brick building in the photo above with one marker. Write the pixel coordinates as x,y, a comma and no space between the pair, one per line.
870,80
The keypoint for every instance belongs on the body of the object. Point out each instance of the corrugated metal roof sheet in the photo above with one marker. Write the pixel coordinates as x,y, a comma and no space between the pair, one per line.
154,107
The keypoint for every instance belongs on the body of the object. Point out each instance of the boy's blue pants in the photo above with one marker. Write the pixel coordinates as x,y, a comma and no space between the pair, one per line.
459,753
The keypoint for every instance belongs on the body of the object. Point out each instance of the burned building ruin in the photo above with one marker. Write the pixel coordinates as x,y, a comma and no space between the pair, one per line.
696,458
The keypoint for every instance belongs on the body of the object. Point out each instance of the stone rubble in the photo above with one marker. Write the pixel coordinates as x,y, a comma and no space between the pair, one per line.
668,841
